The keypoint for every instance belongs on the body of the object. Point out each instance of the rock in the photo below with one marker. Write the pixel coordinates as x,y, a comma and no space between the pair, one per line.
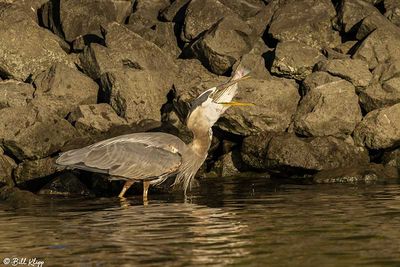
28,133
377,96
30,51
62,89
317,79
262,19
295,60
275,102
74,18
346,47
221,46
95,120
200,15
146,11
65,184
17,197
135,95
245,8
97,60
288,154
314,28
175,11
392,158
379,47
30,170
255,63
352,70
7,165
162,34
373,22
354,175
392,8
331,53
329,109
352,12
15,93
229,165
380,128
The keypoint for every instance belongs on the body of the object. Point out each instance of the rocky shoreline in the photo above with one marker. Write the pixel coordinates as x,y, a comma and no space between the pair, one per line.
325,84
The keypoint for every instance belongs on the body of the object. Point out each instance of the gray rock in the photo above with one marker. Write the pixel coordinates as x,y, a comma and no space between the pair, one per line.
289,154
275,102
380,128
201,15
316,79
135,95
29,52
295,60
95,120
221,46
371,173
352,70
351,12
314,28
329,109
7,165
146,11
15,93
62,89
75,18
28,133
392,8
30,170
65,184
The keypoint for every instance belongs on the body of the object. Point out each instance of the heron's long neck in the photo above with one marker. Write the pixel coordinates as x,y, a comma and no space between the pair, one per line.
201,142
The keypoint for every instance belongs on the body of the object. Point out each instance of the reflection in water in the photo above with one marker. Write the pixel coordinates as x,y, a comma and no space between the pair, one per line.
230,222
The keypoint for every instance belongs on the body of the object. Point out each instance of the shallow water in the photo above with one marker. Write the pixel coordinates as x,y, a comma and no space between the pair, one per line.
235,222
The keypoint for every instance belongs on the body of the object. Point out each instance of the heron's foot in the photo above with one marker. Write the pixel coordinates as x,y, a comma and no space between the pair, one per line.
127,185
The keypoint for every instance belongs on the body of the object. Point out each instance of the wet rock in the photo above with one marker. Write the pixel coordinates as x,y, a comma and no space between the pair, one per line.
29,52
316,79
15,93
162,34
275,102
61,89
229,165
329,109
352,12
295,60
146,11
221,46
361,174
314,28
392,8
289,154
75,18
392,158
17,197
352,70
95,120
200,15
30,170
28,133
7,165
65,184
135,95
380,128
378,47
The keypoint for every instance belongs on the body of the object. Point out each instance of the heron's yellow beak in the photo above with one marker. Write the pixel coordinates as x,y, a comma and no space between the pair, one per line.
231,104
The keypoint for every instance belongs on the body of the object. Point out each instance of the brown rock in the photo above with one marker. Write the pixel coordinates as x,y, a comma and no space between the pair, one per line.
15,93
30,170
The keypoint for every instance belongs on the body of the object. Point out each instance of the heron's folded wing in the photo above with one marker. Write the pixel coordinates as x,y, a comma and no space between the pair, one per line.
132,160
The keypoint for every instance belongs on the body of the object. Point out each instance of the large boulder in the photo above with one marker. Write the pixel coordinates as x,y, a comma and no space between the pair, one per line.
380,128
15,93
65,184
305,21
29,133
221,46
135,95
30,170
373,22
353,70
329,109
26,49
61,89
75,18
295,60
316,79
289,154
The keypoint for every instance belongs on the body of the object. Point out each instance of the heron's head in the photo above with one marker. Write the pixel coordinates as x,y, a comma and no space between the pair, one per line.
210,105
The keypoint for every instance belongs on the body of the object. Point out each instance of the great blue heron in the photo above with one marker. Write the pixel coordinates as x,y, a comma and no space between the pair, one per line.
152,157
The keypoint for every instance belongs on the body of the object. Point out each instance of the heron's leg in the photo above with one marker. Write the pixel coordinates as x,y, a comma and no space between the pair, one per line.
146,185
127,184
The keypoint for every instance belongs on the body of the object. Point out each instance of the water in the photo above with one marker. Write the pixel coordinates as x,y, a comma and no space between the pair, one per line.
227,222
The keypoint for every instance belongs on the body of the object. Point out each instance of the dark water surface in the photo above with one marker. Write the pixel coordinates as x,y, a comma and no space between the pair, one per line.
232,222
